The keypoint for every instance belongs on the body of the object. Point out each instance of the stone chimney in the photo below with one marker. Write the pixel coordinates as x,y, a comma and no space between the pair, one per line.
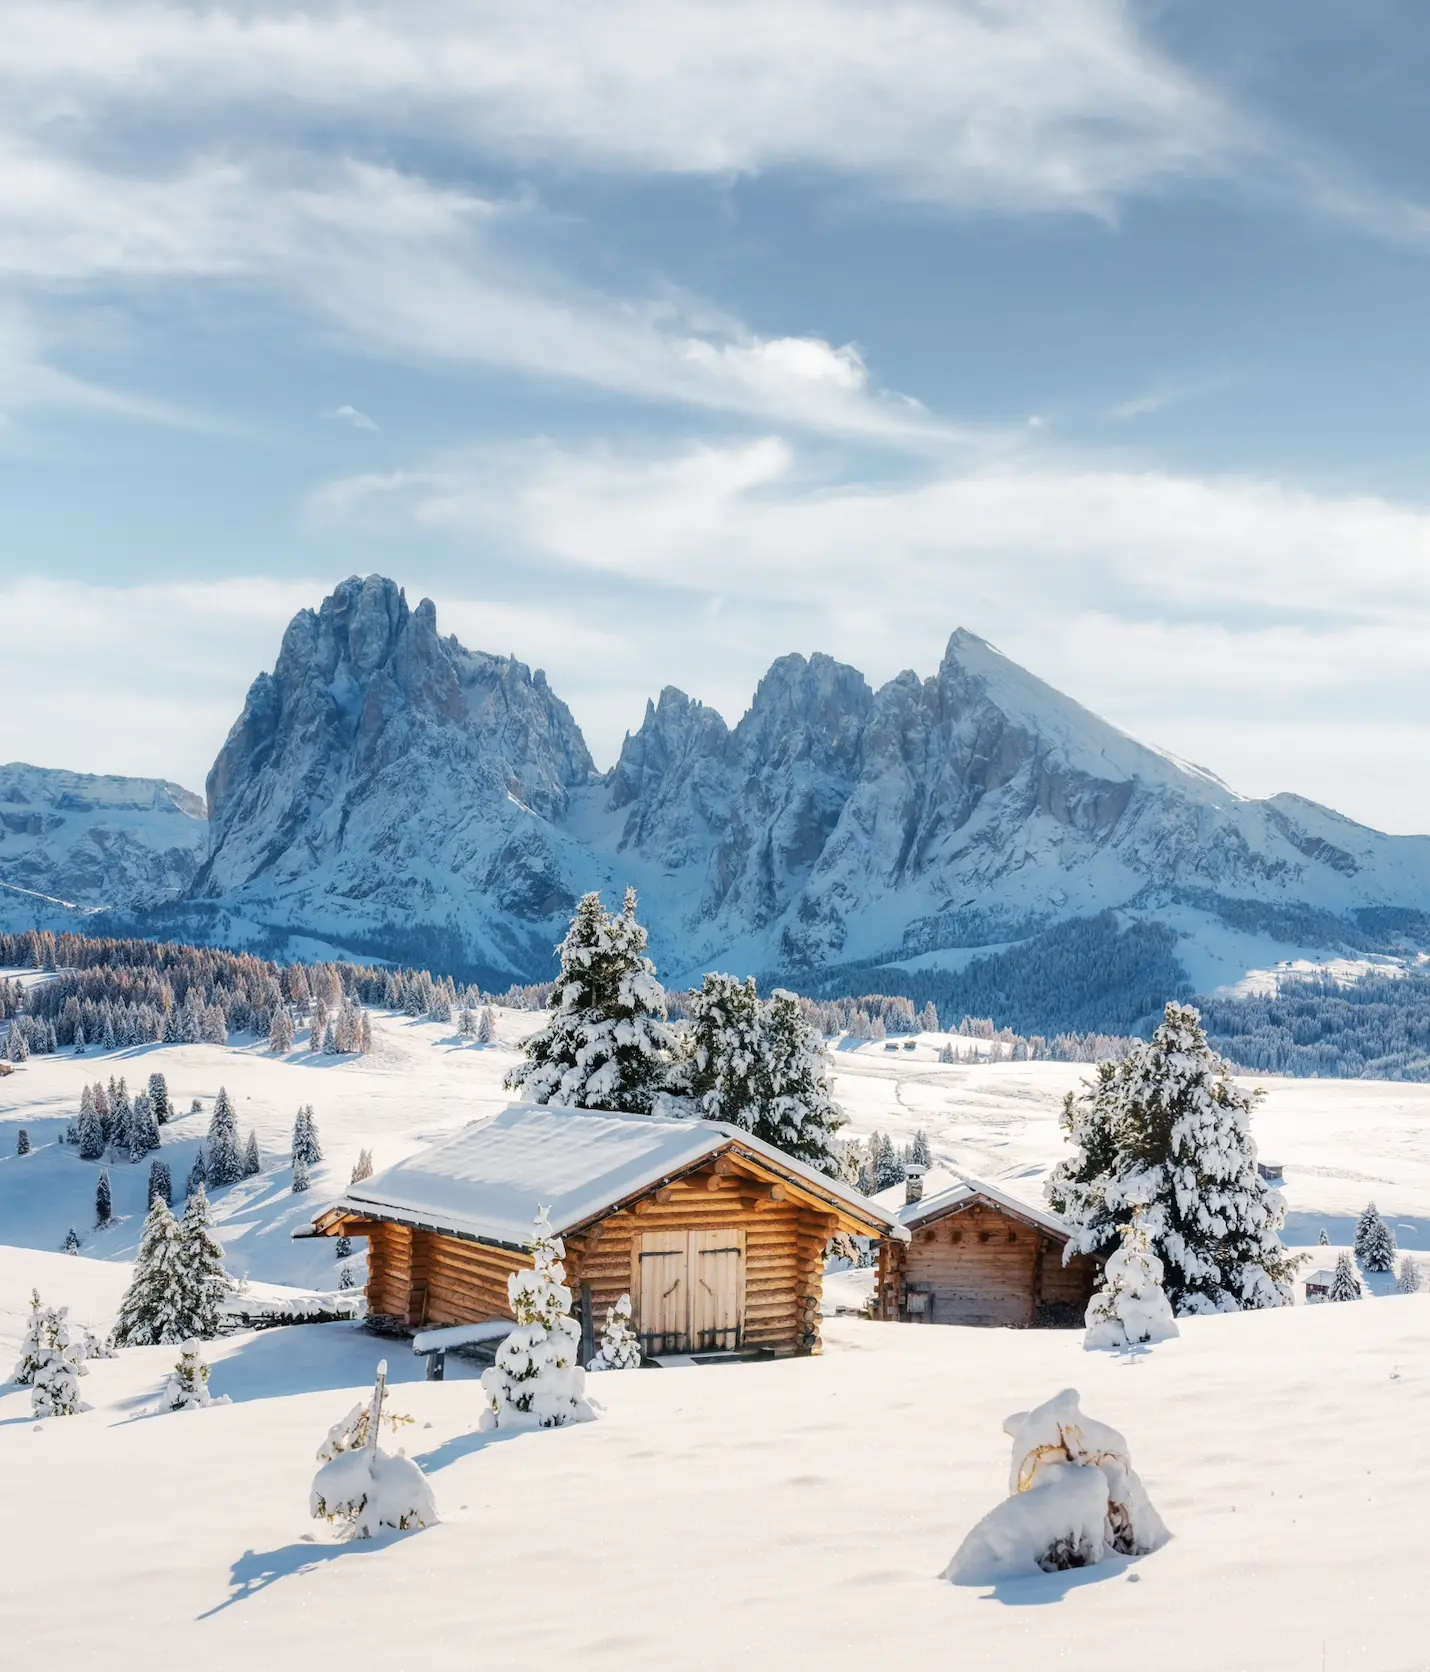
913,1184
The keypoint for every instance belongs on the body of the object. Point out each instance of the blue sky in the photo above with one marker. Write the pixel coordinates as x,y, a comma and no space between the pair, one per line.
654,340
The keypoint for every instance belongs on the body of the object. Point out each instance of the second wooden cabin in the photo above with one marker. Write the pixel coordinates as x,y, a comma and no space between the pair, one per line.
978,1256
718,1238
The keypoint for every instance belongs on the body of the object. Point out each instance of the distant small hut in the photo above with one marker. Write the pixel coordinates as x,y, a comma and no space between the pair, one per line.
718,1238
978,1256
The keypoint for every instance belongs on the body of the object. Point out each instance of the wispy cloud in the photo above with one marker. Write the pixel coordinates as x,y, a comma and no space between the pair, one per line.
351,415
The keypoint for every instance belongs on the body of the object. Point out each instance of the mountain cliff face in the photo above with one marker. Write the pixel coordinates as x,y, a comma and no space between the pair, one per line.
78,839
384,783
386,791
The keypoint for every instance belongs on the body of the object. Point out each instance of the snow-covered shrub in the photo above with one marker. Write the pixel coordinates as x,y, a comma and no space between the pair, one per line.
22,1142
1167,1131
187,1388
94,1348
1409,1280
1074,1499
54,1385
606,1044
32,1343
301,1181
619,1348
360,1486
1131,1307
71,1241
1345,1285
536,1381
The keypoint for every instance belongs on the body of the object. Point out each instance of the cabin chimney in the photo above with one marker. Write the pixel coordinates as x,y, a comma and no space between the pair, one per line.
913,1183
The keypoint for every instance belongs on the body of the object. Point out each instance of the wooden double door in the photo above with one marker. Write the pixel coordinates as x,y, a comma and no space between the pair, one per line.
692,1291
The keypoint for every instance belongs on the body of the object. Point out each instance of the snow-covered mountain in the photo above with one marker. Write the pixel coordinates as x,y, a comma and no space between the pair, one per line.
387,791
74,839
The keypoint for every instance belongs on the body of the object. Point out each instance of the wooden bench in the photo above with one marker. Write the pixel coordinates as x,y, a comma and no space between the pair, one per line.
437,1343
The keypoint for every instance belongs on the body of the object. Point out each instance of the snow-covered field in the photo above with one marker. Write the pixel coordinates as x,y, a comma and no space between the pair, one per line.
791,1514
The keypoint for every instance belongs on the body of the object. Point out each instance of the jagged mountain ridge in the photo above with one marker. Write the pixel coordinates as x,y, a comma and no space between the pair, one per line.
386,791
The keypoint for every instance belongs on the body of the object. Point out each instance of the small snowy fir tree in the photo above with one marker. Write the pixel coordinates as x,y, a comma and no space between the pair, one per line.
89,1130
103,1200
161,1185
225,1165
946,1054
198,1174
486,1026
362,1167
1074,1500
346,1280
152,1310
888,1168
204,1283
1345,1285
32,1343
920,1155
1369,1216
360,1488
619,1348
280,1034
54,1387
1324,1240
71,1241
159,1099
727,1050
305,1137
1408,1278
252,1161
928,1019
343,1248
536,1381
22,1142
1131,1308
1375,1243
301,1181
187,1388
143,1128
1168,1131
606,1044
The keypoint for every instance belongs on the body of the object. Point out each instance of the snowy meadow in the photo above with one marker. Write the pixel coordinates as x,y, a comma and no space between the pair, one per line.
778,1514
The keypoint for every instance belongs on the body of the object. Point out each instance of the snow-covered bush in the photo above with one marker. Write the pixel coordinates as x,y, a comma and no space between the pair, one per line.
606,1044
361,1487
1166,1130
1074,1499
619,1348
536,1381
1409,1280
32,1343
71,1241
1345,1285
1131,1307
54,1384
187,1388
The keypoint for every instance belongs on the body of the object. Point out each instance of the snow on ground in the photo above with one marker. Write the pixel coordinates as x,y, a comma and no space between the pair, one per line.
793,1514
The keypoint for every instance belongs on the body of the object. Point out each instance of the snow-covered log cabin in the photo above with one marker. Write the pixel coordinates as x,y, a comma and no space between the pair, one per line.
978,1256
718,1238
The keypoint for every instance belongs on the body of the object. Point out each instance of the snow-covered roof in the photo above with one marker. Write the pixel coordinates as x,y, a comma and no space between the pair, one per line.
488,1180
962,1190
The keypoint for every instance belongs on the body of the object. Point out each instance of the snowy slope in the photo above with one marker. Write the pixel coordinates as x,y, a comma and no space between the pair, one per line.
780,1515
74,839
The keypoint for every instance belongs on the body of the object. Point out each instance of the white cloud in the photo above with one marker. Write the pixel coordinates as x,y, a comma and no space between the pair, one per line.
351,415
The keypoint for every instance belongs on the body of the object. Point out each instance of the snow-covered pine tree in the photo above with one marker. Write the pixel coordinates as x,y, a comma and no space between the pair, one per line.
120,1111
89,1129
305,1137
54,1389
536,1381
71,1245
346,1280
161,1184
466,1023
103,1199
928,1021
22,1142
225,1165
204,1283
619,1348
1324,1240
187,1388
920,1155
364,1037
31,1344
280,1033
486,1026
606,1044
195,1107
1369,1216
946,1054
888,1166
252,1161
1375,1243
79,1040
1167,1130
159,1099
301,1181
152,1310
1131,1307
798,1114
198,1174
343,1248
728,1071
362,1167
19,1045
143,1128
1409,1279
1345,1285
